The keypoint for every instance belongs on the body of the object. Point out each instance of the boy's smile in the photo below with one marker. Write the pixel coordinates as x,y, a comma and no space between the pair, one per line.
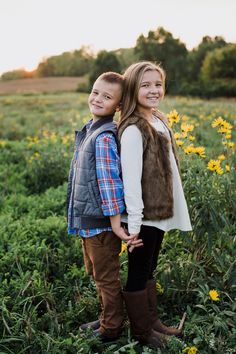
104,98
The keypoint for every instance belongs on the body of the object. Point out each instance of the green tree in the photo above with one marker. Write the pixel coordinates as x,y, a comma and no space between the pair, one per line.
126,57
220,63
82,61
197,55
46,68
218,72
76,63
160,46
105,61
17,74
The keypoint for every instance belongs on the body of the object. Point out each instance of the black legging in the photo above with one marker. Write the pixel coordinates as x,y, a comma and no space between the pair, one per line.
143,260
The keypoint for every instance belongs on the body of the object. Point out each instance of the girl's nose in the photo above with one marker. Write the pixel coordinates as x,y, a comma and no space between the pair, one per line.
154,89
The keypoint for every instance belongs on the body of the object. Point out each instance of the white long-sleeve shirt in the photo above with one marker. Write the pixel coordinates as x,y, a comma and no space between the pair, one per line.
132,164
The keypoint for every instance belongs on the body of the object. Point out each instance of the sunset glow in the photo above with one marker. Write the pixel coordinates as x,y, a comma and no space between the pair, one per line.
33,29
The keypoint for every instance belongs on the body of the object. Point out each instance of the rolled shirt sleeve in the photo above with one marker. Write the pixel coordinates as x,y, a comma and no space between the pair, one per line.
108,169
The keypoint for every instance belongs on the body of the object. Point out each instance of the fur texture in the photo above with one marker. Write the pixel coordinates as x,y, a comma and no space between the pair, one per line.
157,182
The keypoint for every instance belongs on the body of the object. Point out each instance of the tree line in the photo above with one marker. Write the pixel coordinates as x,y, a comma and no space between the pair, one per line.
209,70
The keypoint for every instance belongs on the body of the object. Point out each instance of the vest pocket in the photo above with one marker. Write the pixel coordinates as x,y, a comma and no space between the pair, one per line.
92,194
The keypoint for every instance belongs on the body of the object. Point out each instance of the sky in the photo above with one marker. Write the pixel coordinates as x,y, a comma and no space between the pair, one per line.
31,30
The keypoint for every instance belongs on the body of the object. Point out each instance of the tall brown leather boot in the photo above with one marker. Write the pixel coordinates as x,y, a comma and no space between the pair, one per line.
141,327
157,325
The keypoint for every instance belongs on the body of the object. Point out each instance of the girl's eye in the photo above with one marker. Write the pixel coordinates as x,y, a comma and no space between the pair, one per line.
144,85
107,97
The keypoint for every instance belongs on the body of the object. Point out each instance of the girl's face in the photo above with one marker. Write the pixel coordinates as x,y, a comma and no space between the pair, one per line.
150,92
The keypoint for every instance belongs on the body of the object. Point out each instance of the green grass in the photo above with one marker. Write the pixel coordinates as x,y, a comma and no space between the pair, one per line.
45,293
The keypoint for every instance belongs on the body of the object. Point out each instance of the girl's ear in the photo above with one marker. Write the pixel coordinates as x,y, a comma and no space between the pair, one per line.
118,108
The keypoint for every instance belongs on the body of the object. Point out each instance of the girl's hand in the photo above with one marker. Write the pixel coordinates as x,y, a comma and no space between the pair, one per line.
134,242
129,239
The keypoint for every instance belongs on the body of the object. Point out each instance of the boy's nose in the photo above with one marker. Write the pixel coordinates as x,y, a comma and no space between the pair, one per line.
97,98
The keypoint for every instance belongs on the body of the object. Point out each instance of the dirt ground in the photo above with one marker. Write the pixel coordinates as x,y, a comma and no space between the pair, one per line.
45,84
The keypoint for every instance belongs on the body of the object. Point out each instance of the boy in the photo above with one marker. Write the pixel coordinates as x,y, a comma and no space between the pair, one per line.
95,194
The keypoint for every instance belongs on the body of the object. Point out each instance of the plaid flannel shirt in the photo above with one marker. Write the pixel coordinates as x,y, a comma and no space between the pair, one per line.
108,171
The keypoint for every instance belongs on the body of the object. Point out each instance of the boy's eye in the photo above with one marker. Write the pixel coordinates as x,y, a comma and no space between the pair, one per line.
107,97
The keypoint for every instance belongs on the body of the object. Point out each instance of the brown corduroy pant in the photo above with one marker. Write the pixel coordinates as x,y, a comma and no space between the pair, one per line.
101,258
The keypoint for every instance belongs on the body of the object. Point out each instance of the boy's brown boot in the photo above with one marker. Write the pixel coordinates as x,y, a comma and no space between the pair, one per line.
103,336
141,326
93,325
157,325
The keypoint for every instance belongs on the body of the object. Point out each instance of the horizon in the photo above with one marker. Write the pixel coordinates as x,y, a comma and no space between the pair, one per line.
30,33
94,52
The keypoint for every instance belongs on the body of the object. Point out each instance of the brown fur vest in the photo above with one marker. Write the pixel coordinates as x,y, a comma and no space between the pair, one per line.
157,184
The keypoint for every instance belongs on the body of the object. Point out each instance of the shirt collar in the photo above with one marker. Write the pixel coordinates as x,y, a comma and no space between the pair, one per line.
93,126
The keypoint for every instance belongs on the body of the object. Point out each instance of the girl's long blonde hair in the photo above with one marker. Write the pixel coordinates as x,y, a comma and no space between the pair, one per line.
132,81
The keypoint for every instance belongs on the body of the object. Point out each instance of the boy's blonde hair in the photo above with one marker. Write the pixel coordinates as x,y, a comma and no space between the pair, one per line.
112,78
132,81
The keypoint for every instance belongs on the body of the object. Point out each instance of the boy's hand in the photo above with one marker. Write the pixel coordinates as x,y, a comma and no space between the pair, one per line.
134,242
129,239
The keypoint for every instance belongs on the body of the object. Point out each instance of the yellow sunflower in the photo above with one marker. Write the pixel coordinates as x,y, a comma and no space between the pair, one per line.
213,165
214,295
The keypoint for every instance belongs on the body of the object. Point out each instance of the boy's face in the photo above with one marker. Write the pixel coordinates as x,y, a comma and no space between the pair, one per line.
104,98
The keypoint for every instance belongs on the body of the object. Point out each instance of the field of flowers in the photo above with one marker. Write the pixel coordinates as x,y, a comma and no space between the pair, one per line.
45,293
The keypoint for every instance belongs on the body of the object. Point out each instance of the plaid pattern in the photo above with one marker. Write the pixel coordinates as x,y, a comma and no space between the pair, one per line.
108,171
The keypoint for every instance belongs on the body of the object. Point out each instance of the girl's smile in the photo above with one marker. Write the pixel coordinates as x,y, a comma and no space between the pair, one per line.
150,91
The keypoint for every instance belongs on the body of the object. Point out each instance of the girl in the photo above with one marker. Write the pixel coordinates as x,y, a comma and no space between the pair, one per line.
154,196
